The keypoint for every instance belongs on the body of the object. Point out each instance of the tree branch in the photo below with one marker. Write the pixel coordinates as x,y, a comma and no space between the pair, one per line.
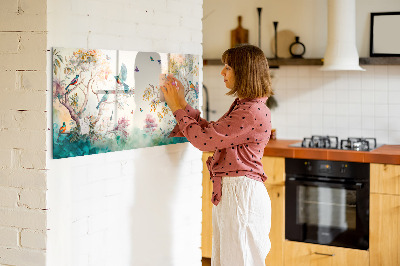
71,110
86,97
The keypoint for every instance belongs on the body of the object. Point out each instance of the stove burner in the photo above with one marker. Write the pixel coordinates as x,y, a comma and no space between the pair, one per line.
328,142
358,144
332,142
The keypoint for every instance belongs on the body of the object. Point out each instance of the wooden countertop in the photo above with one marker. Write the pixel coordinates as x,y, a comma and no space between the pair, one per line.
389,154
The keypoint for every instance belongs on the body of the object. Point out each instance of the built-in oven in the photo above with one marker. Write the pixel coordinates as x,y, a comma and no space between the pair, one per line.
327,202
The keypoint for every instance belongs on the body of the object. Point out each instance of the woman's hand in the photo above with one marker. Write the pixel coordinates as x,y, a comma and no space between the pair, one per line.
173,91
181,91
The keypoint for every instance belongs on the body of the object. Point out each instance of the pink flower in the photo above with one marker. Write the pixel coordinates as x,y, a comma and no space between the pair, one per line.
151,124
121,127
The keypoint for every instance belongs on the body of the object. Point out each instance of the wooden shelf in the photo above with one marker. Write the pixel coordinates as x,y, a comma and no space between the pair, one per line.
380,61
274,63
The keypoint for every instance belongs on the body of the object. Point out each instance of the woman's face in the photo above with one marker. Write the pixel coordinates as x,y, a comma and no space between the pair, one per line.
229,76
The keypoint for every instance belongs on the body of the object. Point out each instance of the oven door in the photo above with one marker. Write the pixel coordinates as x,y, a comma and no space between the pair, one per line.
327,213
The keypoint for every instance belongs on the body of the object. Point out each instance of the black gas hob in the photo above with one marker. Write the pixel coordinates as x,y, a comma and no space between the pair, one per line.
332,142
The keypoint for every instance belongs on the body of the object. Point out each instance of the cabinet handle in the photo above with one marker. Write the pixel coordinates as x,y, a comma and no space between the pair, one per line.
325,254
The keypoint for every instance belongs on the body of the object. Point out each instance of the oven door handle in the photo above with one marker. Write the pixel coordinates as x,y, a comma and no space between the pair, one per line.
357,185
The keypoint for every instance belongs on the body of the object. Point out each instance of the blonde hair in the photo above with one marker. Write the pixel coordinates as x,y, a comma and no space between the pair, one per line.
250,66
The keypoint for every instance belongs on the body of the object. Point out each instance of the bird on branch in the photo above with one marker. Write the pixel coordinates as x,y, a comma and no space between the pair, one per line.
121,78
103,99
73,82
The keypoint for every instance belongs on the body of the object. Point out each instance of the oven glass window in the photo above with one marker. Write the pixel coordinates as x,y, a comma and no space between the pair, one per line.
327,207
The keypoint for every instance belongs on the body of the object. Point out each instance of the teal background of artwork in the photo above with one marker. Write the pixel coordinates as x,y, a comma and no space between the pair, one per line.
63,147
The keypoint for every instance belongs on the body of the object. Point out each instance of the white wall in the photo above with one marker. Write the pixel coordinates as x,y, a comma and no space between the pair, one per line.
305,18
136,207
344,103
23,133
311,102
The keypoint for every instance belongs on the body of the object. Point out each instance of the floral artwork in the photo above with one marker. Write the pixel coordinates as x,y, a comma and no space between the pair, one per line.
108,100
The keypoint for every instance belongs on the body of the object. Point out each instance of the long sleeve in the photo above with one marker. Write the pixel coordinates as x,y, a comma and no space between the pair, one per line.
231,130
193,113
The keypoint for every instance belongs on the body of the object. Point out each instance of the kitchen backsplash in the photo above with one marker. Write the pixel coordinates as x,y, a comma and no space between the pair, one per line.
314,102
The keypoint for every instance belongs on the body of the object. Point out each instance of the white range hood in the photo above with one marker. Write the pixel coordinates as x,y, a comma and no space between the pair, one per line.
341,51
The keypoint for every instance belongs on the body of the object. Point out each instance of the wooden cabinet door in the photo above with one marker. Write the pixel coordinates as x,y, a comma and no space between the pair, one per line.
206,226
305,254
384,236
274,168
277,233
385,178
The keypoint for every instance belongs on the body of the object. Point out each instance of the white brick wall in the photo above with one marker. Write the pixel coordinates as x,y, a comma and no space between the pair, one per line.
8,197
137,207
24,256
23,132
33,239
23,178
9,237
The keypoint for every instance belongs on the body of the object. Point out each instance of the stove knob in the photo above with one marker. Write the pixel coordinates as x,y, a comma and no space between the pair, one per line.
343,168
308,166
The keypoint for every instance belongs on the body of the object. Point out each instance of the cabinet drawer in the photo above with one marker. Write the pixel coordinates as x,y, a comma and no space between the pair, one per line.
305,254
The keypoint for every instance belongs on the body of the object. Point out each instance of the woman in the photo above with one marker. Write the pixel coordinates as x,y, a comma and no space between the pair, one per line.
242,208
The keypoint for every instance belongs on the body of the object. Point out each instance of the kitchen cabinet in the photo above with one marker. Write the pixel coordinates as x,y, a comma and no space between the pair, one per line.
274,168
385,214
385,178
206,226
384,248
384,230
277,233
305,254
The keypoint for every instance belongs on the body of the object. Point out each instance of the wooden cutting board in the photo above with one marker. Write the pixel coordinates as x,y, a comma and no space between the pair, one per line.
239,35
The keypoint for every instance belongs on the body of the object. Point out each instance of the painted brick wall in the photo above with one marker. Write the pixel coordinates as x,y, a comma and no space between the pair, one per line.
313,102
137,207
23,132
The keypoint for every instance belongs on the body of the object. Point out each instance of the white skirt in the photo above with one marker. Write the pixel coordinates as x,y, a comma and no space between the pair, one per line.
241,223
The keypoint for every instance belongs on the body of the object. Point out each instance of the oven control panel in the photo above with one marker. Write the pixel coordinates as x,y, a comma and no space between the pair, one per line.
338,169
325,167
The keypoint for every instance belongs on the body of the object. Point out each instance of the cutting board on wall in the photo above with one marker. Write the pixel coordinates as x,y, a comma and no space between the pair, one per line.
239,35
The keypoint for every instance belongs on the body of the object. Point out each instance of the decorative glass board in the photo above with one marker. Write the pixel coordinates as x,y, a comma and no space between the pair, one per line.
108,100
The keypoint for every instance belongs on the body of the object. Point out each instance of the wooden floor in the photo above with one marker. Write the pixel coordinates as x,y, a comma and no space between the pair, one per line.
206,261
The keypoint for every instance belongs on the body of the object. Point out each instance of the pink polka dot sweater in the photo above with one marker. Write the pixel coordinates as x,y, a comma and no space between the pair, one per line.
238,139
